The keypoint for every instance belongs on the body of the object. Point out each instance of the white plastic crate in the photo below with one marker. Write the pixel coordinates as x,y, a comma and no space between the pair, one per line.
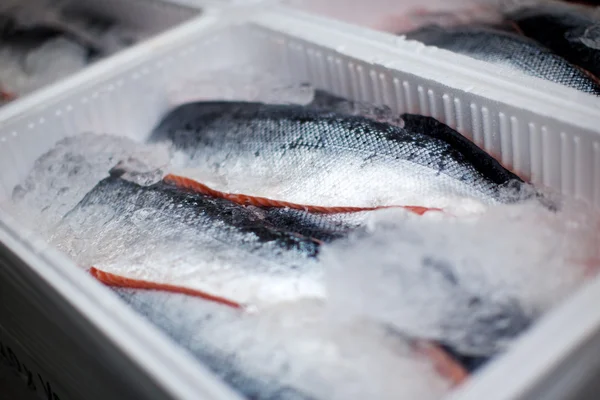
543,131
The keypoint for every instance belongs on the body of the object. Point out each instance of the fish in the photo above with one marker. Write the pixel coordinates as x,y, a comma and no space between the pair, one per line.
320,223
325,158
571,31
413,276
162,234
502,47
297,351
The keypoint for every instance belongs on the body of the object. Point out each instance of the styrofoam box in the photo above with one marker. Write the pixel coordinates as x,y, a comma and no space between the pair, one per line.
541,130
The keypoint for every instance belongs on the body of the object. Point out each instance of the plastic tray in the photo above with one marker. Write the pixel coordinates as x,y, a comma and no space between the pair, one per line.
543,131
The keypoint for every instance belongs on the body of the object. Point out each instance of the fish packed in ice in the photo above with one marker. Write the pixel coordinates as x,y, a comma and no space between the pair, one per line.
191,239
507,48
571,31
294,351
314,251
325,158
550,40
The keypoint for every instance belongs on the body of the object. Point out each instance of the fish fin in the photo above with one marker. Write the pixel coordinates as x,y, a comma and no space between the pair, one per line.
257,201
442,361
120,281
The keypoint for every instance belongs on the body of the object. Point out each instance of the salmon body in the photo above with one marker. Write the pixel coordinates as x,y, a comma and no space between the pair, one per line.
573,32
295,351
511,49
176,237
315,156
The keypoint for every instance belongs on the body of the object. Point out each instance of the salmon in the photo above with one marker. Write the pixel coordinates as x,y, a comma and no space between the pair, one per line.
326,158
510,49
297,351
161,233
571,31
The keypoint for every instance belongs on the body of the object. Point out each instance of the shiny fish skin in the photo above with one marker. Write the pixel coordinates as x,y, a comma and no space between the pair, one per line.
293,351
570,31
163,234
162,310
325,228
380,273
315,156
190,209
507,48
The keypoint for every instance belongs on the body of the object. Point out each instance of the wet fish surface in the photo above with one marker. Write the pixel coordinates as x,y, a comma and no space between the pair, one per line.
432,297
306,155
163,309
178,237
573,32
325,228
507,48
292,351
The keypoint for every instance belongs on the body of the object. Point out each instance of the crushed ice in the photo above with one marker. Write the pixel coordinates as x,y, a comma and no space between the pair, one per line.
471,282
474,282
293,351
61,177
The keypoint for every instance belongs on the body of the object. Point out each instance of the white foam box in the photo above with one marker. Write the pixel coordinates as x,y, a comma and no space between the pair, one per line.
90,345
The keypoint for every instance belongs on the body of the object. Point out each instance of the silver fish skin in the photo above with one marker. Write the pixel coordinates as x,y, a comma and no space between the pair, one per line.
165,311
571,31
164,234
501,47
320,157
322,227
292,351
425,295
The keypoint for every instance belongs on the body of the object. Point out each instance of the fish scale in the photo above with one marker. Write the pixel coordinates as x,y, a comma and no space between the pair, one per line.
164,234
499,47
327,158
570,31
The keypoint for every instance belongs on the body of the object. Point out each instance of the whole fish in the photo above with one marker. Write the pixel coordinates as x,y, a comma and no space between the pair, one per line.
573,32
294,351
326,158
507,48
404,273
161,233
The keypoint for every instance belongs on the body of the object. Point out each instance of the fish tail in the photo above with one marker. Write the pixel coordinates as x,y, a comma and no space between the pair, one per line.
443,362
248,200
115,280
